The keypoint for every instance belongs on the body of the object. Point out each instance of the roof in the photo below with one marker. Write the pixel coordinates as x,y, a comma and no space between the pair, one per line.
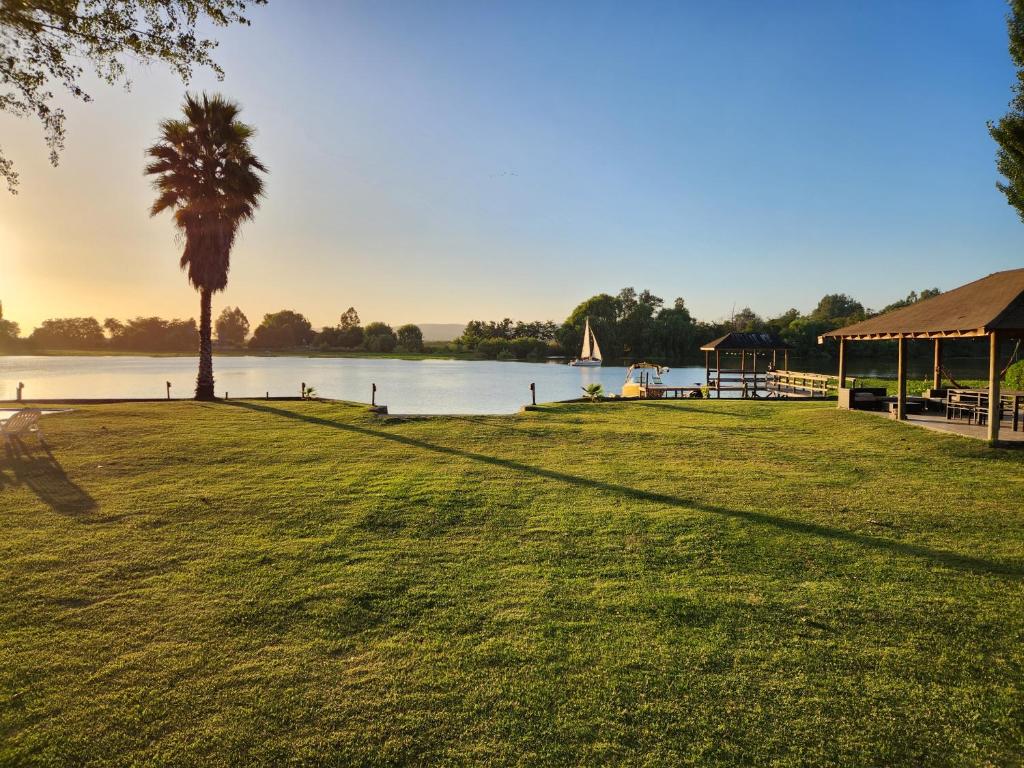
993,303
739,341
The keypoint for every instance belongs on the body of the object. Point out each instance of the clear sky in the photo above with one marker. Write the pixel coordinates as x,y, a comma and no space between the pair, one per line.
437,162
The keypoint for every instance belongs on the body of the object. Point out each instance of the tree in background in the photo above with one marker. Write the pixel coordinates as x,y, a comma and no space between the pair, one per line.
152,334
69,333
1008,132
9,332
410,338
912,298
282,330
205,172
232,326
48,42
378,337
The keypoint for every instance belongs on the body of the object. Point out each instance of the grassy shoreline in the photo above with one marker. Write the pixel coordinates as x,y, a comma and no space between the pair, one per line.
262,583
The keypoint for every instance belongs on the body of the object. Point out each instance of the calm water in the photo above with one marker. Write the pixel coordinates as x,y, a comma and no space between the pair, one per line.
405,386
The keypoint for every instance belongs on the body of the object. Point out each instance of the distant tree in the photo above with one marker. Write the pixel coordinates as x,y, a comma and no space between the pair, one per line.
69,333
912,298
9,332
378,337
410,338
1008,132
51,42
838,306
206,173
747,321
282,330
152,334
232,326
349,319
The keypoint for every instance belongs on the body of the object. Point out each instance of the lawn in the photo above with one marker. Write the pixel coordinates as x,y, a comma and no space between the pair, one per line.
696,583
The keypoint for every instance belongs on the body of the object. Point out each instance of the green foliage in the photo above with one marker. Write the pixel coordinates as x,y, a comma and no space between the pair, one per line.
152,334
232,326
912,298
507,329
1014,378
1008,132
49,43
302,583
410,338
349,319
282,330
593,392
69,333
379,337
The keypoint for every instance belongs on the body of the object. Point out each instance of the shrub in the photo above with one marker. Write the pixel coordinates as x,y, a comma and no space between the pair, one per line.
1015,376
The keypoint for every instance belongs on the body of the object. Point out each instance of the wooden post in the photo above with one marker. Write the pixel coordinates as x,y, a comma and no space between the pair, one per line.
707,369
901,380
775,358
303,391
842,362
937,368
533,392
785,358
373,395
718,372
168,390
993,387
21,386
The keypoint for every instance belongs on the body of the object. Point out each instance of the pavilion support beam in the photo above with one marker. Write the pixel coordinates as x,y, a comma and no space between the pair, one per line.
937,367
901,380
785,358
718,372
842,362
993,387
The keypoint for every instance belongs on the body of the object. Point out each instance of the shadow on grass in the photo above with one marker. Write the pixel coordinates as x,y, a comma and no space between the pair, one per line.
945,557
39,471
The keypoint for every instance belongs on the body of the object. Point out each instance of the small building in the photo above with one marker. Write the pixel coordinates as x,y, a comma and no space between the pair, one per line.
991,309
742,373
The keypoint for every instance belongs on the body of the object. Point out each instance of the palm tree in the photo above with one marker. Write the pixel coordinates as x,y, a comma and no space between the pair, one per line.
205,172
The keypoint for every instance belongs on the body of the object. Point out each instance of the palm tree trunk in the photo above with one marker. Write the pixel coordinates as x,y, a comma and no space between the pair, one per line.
204,382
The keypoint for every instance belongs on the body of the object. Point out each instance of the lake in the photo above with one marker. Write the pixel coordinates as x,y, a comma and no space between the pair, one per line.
405,386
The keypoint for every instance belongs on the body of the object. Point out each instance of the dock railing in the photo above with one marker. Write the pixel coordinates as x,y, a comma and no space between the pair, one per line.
803,383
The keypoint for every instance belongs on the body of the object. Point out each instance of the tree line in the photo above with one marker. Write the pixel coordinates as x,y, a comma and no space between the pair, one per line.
281,331
635,326
628,325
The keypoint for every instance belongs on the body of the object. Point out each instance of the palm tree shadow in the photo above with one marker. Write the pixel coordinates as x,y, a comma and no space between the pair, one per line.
947,558
40,471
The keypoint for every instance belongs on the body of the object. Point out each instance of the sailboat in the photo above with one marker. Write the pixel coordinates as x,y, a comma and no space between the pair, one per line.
590,355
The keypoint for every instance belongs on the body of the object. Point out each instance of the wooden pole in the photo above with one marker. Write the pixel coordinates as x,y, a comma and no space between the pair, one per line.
718,372
775,358
533,392
842,362
901,380
707,369
993,387
785,359
937,368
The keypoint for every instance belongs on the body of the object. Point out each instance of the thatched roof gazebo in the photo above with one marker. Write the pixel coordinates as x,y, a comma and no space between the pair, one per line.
992,307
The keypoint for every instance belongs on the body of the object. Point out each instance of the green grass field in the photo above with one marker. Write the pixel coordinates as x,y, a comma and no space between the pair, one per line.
698,583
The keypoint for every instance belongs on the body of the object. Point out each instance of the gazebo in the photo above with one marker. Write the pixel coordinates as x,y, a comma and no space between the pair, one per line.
743,379
992,308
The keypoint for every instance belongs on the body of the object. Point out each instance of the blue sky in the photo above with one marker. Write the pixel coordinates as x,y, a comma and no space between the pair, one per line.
437,162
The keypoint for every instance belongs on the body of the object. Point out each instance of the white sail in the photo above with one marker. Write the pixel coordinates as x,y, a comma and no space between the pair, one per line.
595,351
586,341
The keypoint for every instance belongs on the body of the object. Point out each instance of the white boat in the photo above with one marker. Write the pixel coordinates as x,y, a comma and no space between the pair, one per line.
590,355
